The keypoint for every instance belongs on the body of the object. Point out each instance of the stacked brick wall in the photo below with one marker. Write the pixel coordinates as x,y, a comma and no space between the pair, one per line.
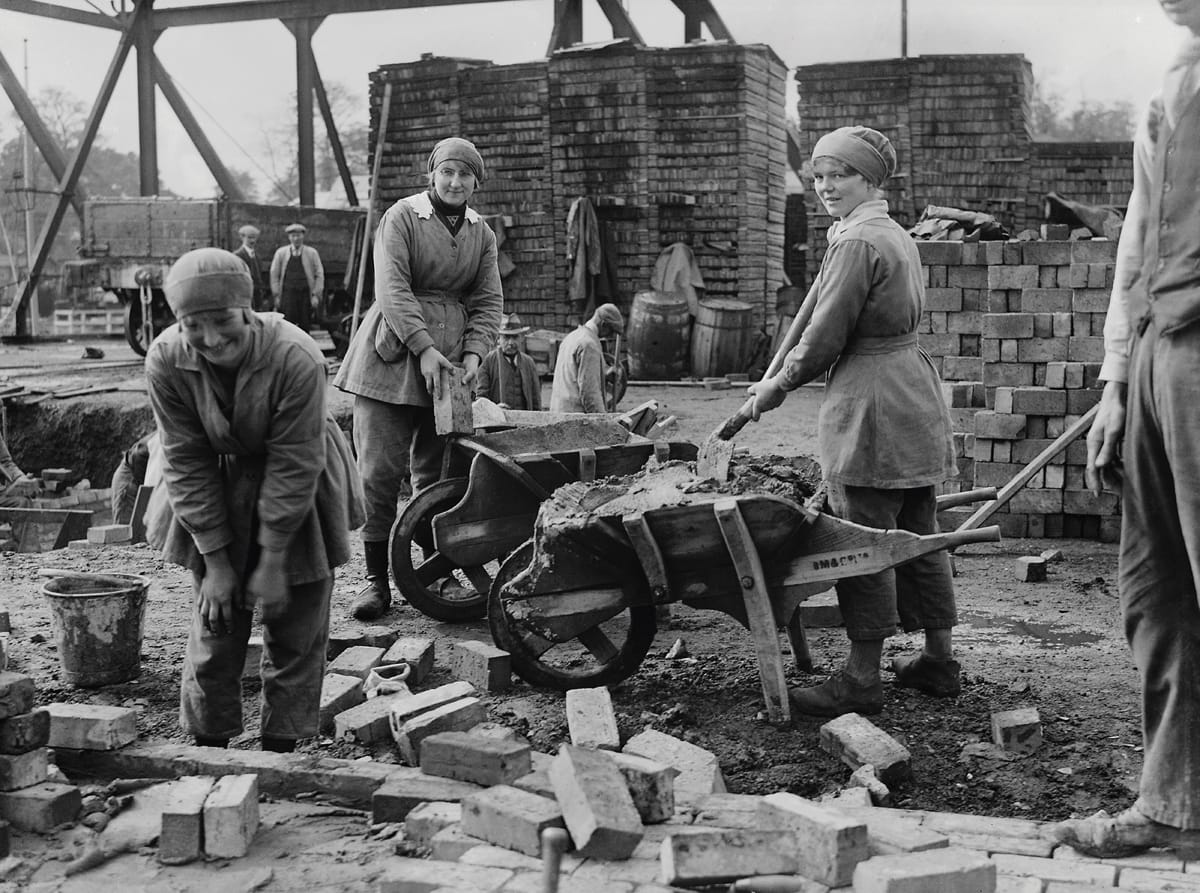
680,144
1016,331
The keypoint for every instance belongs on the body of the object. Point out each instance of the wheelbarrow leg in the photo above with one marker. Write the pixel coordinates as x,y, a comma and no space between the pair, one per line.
759,614
799,643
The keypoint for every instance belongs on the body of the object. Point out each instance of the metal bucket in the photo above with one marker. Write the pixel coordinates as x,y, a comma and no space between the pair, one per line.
98,623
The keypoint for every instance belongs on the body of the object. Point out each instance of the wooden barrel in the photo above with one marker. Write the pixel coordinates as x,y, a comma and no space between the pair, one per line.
721,337
658,334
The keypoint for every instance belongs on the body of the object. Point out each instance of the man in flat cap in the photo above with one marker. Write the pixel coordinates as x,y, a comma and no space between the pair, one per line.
508,376
246,251
297,278
579,369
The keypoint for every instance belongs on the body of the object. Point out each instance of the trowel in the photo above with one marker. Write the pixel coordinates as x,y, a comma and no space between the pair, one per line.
712,459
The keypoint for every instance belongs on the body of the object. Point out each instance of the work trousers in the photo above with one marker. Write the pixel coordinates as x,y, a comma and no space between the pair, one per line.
398,452
296,306
918,594
1160,566
293,665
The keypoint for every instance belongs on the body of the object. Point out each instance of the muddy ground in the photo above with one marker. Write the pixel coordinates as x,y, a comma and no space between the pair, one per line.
1054,645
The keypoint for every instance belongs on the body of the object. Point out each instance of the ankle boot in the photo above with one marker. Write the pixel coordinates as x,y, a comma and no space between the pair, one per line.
373,602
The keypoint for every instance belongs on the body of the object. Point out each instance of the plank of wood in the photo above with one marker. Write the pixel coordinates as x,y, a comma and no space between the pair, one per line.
1040,461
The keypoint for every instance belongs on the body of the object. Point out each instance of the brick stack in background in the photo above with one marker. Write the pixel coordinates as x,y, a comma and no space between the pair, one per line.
1096,173
1016,331
679,144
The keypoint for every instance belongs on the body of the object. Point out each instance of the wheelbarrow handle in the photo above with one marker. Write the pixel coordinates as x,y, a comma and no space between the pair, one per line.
967,497
956,538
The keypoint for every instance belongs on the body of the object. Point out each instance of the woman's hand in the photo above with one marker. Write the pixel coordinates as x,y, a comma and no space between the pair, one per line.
1104,440
767,395
470,367
432,363
217,589
267,586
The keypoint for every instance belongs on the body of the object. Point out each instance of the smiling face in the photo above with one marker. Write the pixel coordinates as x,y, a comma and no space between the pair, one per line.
840,188
220,336
1183,12
454,182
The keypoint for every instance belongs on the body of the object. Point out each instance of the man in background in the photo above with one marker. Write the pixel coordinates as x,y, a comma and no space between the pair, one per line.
297,278
579,370
261,299
508,376
16,487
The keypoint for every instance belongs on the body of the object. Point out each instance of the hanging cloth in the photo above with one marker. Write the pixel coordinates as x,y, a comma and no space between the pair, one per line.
676,271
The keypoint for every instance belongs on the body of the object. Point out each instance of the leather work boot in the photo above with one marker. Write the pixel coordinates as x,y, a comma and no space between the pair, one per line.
939,678
837,695
1130,832
374,601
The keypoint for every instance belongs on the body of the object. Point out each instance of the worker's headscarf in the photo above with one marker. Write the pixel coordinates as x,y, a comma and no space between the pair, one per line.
867,151
455,148
208,279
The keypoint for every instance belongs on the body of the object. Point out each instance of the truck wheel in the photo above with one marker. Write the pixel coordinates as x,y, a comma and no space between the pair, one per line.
133,326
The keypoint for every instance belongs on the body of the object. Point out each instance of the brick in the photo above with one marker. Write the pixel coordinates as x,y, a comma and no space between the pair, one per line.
379,637
475,758
932,871
962,369
485,666
726,811
889,833
943,299
940,345
1042,349
16,693
1037,499
1085,349
1082,502
1008,349
110,533
1014,277
417,652
338,693
1002,401
1019,846
828,844
1046,252
403,875
427,819
182,837
1008,325
821,611
1048,277
998,301
597,807
91,726
536,782
1057,232
41,807
590,718
23,769
940,253
451,844
1090,300
1065,870
993,252
972,277
1019,731
999,425
1015,375
965,322
397,797
511,818
252,666
699,770
699,858
650,784
231,816
357,660
1045,300
369,721
25,731
455,716
1092,251
856,741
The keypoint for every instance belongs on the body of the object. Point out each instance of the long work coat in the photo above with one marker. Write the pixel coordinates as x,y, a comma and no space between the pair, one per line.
265,465
431,288
883,422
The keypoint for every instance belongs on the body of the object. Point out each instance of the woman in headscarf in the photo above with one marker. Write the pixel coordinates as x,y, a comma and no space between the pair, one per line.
259,492
437,303
884,431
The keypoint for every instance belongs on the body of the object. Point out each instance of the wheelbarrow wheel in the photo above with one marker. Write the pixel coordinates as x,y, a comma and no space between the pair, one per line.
604,654
430,581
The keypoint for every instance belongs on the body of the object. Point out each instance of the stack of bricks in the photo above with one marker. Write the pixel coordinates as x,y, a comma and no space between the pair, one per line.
962,128
678,144
27,799
1016,331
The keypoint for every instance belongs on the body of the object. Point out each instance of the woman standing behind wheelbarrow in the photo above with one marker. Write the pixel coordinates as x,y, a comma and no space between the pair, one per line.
260,495
884,431
437,302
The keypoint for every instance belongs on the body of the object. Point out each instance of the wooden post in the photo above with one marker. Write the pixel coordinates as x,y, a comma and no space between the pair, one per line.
372,196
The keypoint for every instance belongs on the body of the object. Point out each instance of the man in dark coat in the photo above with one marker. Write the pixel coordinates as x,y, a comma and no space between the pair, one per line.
507,376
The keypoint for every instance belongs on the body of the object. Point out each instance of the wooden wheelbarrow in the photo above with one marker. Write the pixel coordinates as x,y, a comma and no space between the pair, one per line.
575,606
450,537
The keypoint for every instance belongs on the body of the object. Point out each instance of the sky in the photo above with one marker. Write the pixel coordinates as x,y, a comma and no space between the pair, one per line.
239,78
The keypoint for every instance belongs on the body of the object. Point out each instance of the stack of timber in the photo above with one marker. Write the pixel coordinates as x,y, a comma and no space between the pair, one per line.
683,144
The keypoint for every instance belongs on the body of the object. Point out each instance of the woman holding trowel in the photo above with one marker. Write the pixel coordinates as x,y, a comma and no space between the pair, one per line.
884,431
